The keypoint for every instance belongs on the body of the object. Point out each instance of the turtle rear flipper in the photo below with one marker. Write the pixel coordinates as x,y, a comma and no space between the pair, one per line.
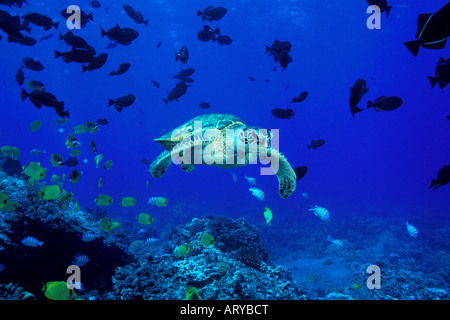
160,165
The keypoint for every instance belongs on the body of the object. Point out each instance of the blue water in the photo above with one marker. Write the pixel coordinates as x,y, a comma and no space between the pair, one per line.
377,165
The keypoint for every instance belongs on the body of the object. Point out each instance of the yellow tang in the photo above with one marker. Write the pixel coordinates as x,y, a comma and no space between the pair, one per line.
6,151
51,192
268,216
206,239
34,170
71,142
35,126
3,199
144,218
108,164
182,250
192,294
127,202
9,206
97,159
105,224
74,153
79,129
58,290
74,176
57,160
103,200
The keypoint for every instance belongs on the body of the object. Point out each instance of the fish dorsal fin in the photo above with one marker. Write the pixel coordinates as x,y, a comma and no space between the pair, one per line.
117,26
421,22
380,98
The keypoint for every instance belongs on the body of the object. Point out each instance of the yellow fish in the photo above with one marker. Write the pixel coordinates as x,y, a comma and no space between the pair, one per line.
62,121
192,294
79,129
57,160
108,164
3,199
74,176
268,216
9,206
103,200
71,141
74,152
52,192
206,239
127,202
10,152
182,250
115,225
91,126
58,290
105,224
144,218
35,126
97,159
16,153
34,170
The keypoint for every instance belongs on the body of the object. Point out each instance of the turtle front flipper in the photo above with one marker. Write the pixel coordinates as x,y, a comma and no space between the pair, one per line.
160,165
287,179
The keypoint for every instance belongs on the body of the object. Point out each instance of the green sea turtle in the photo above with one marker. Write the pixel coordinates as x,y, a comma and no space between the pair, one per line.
225,141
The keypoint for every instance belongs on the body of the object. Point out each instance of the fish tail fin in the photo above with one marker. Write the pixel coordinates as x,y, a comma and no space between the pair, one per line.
433,184
103,32
57,54
146,22
166,100
433,81
23,94
413,46
118,108
199,13
267,49
61,36
90,16
370,104
442,85
110,102
177,57
309,147
388,9
442,60
217,31
56,24
355,110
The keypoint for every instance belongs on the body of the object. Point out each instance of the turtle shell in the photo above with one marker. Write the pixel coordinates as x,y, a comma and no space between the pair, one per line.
198,125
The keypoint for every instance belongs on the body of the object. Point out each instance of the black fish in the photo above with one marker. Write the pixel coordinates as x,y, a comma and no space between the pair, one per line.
442,179
135,15
122,102
432,30
382,4
283,114
84,18
204,105
182,55
316,144
124,66
26,41
77,55
179,90
102,122
39,20
300,172
32,64
40,98
71,162
207,34
122,36
442,74
145,161
155,84
159,44
11,25
385,103
224,40
184,79
95,4
96,63
277,48
20,77
186,72
284,60
212,14
300,98
76,42
251,78
356,93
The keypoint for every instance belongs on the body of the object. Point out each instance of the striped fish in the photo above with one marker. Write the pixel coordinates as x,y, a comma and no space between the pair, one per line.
258,194
338,244
31,242
88,237
412,230
157,201
80,259
322,213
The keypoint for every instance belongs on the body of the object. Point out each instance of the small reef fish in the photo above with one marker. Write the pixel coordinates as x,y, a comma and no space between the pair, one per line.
35,126
127,202
32,242
144,218
251,180
320,212
411,230
86,237
80,259
192,294
206,239
268,216
58,290
234,176
103,200
181,251
158,201
338,244
257,193
37,152
97,159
